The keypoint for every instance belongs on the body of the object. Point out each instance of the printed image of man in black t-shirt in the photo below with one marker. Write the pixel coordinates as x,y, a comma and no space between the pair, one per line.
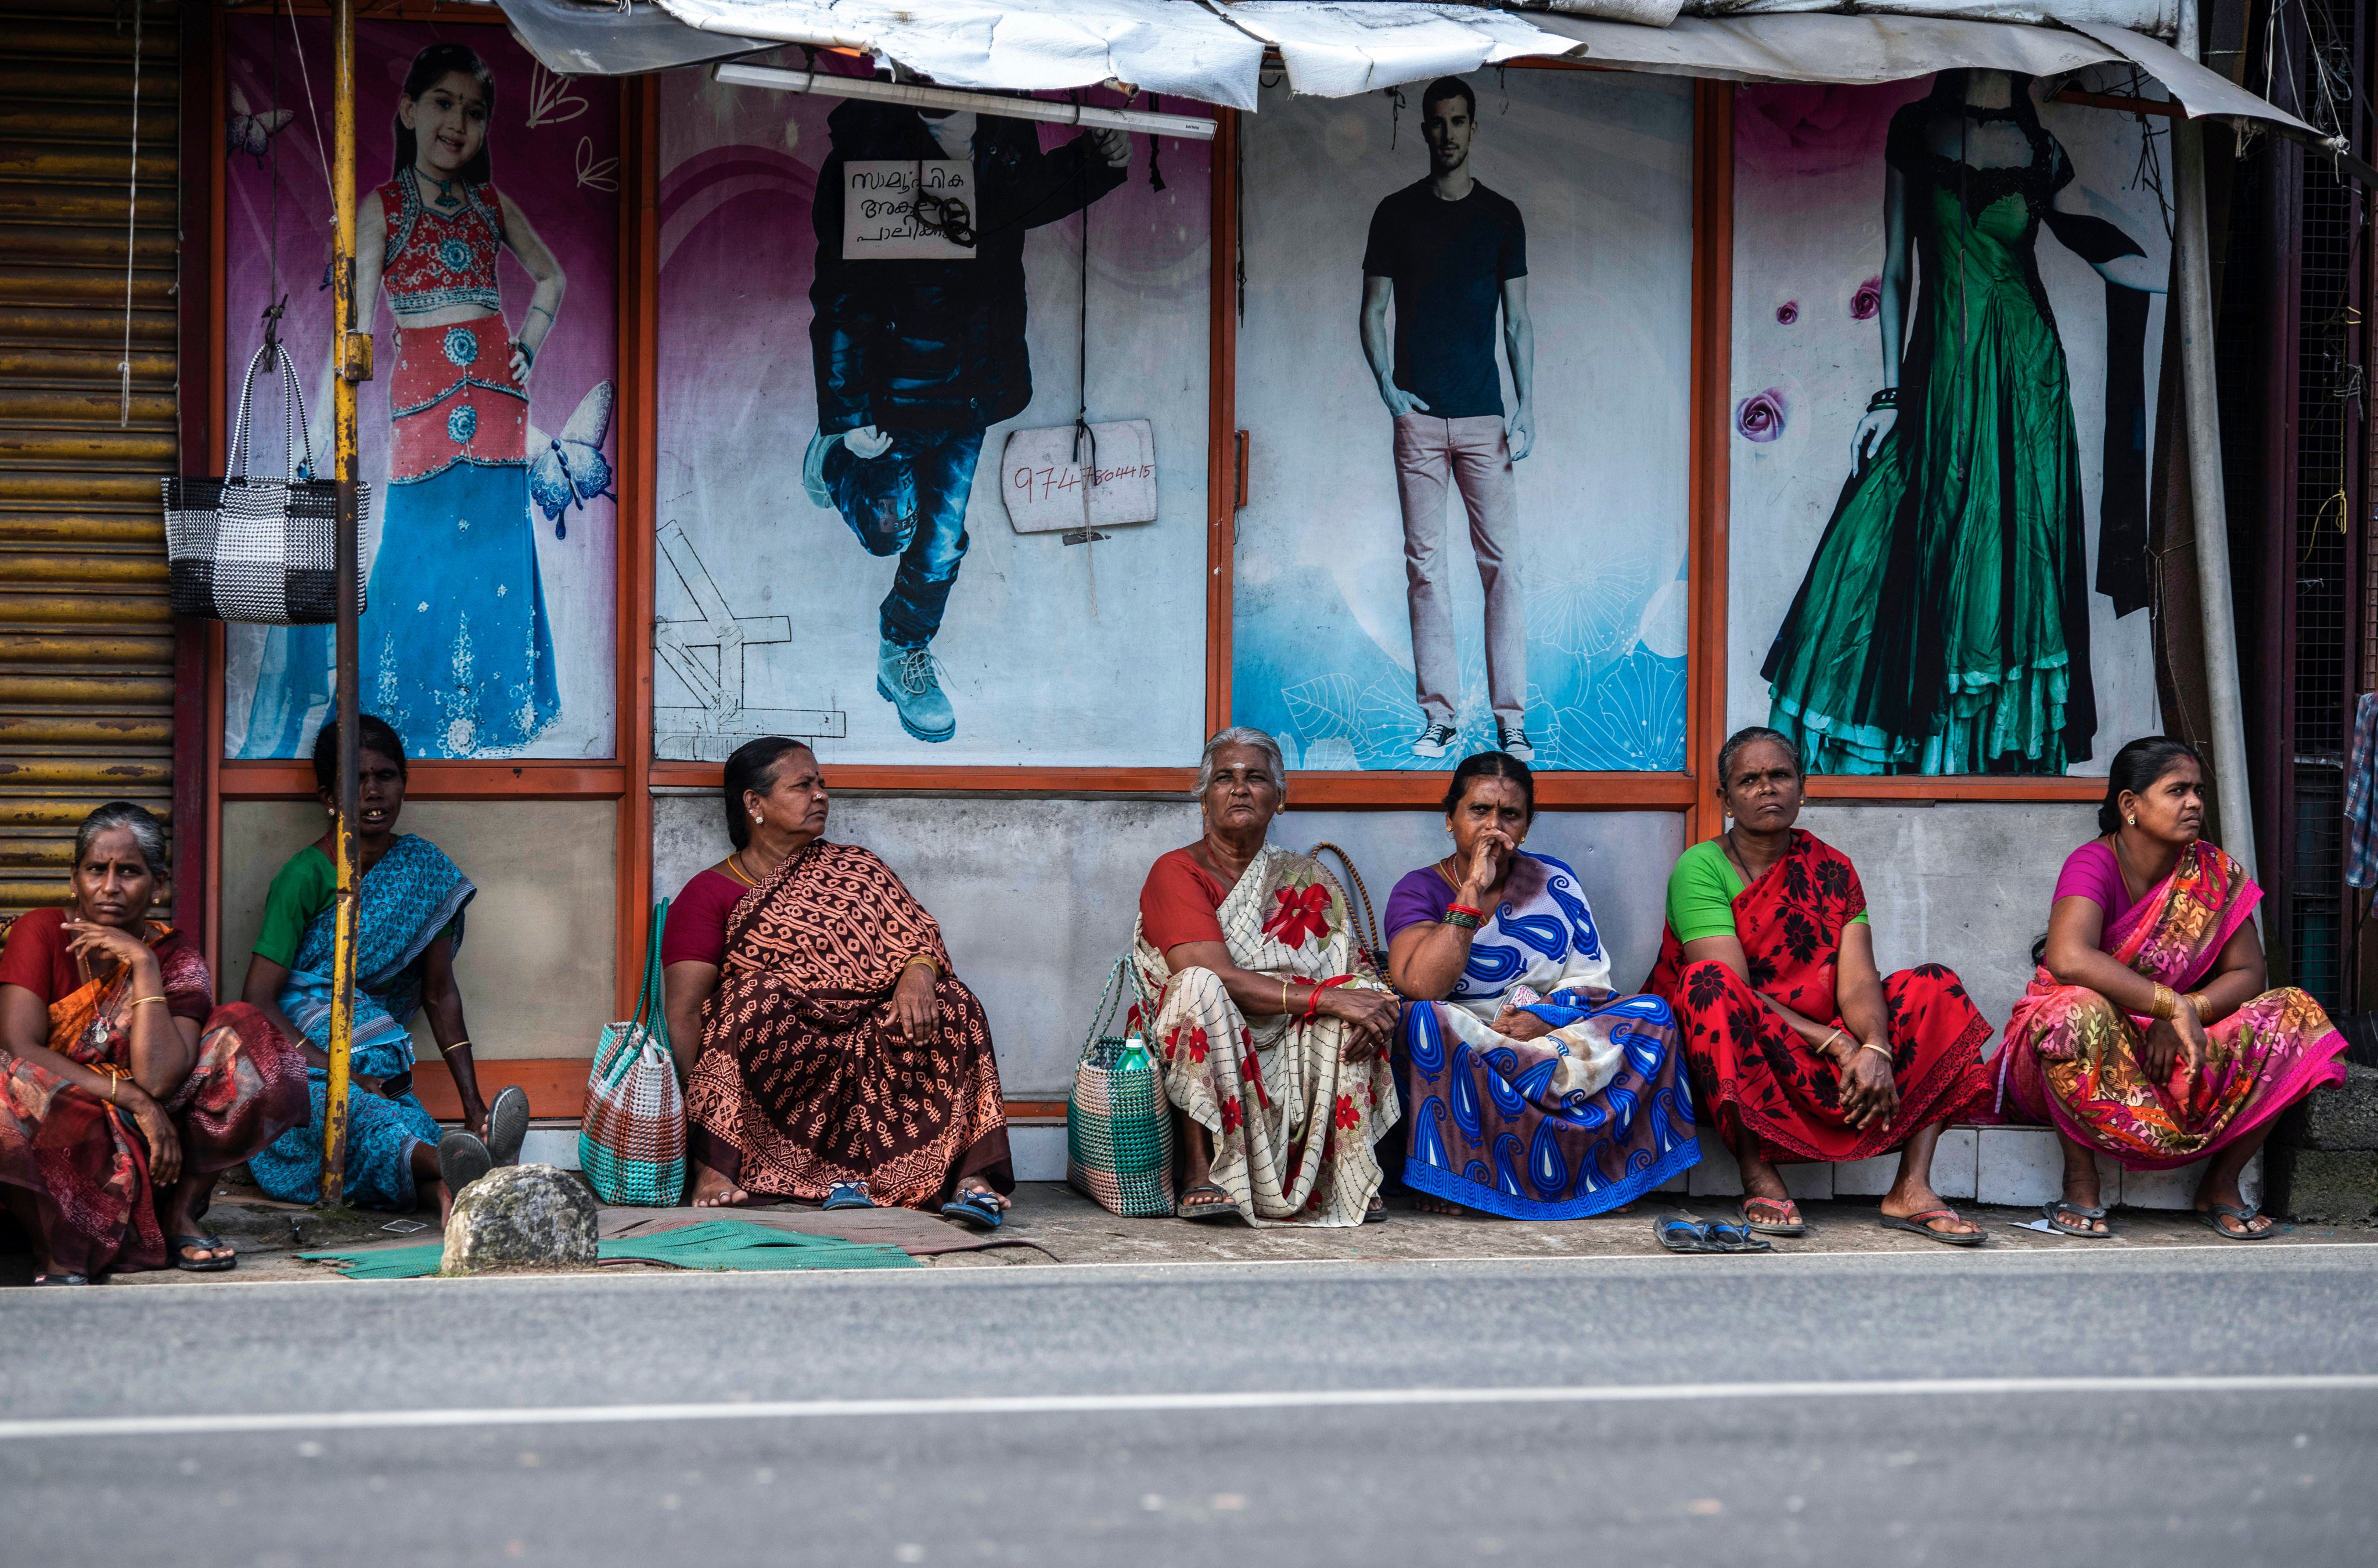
1446,252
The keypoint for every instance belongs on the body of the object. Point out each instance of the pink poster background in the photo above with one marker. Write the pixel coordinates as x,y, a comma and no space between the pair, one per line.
554,143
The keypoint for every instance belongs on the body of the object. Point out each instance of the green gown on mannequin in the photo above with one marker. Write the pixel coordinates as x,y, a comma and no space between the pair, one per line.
1943,625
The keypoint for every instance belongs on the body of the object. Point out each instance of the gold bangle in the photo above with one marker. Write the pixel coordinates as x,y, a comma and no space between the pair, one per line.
924,959
1826,1042
1283,995
2166,1003
1882,1050
450,1050
140,1001
2202,1003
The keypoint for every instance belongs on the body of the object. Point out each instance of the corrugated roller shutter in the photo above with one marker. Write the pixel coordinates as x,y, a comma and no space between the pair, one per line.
86,637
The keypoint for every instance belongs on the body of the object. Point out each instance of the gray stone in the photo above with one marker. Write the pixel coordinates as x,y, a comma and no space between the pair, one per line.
521,1217
2346,1117
2332,1186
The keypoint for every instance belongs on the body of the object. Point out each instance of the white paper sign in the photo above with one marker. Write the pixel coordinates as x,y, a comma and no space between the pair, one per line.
1051,484
878,208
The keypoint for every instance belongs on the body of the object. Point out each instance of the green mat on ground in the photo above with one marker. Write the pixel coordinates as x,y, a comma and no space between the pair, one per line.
728,1246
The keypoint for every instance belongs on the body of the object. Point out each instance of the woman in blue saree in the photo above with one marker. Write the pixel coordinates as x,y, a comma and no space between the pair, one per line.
1536,1091
410,922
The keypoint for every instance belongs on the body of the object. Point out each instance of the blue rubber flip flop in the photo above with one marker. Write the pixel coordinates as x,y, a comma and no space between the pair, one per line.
1726,1237
848,1195
1682,1233
974,1210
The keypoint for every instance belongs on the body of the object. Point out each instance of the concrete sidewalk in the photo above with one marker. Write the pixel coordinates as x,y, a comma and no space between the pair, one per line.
1069,1230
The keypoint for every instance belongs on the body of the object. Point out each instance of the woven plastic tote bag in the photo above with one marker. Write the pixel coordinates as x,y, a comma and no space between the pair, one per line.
632,1140
259,549
1118,1121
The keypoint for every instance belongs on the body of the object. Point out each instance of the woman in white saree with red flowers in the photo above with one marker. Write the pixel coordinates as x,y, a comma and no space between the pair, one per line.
1272,1029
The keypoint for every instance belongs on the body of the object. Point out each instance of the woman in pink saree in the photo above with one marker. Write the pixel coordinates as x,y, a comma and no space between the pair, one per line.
2147,1034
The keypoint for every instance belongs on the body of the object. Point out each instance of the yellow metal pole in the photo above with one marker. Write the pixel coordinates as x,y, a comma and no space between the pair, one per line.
352,367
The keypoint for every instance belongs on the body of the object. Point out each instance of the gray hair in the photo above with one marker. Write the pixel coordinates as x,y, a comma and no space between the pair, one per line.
146,830
1752,735
1241,735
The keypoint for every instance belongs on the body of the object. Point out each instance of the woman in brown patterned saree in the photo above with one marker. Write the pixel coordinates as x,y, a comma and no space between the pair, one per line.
839,1058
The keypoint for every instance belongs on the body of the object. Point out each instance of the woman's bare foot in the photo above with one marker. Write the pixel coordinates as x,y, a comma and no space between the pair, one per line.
2080,1189
1905,1200
1436,1205
1767,1205
2213,1193
712,1190
183,1213
1910,1188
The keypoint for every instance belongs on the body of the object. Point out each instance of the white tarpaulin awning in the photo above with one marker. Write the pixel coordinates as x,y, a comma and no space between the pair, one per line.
1872,47
1332,51
1825,47
1212,51
2160,18
1168,46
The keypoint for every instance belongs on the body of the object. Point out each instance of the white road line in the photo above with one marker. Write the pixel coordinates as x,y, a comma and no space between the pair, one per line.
1133,1403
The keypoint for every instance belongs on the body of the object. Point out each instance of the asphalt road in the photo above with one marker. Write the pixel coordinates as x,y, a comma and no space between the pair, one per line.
1840,1410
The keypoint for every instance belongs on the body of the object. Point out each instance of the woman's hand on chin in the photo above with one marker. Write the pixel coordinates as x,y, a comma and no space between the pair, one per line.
90,939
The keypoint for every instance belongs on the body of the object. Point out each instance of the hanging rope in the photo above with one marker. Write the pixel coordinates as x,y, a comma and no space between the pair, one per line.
131,230
313,121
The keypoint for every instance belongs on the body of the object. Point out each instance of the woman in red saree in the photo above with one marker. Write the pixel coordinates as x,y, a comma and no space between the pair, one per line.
123,1090
2147,1033
1801,1049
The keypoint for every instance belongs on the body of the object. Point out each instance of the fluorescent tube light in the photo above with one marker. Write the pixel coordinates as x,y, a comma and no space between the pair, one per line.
952,98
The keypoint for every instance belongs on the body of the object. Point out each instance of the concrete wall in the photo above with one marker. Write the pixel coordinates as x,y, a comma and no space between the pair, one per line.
1037,897
1965,886
536,969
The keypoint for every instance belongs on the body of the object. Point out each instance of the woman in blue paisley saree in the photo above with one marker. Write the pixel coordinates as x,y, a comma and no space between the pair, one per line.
410,922
1535,1092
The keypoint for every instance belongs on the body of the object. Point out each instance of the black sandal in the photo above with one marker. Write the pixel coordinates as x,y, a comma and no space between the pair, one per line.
216,1265
2057,1211
2211,1219
1188,1209
61,1279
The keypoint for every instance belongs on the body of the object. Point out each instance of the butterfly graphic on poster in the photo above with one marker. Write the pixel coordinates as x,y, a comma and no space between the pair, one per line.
250,132
571,470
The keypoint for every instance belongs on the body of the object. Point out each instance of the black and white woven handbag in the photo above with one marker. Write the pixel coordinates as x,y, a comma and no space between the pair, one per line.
256,550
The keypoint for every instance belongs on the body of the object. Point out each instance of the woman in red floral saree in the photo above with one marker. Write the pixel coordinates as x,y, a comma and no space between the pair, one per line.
1801,1049
123,1090
2147,1033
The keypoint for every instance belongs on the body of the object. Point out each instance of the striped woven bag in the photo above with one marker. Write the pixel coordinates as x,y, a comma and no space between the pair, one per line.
1118,1121
631,1138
